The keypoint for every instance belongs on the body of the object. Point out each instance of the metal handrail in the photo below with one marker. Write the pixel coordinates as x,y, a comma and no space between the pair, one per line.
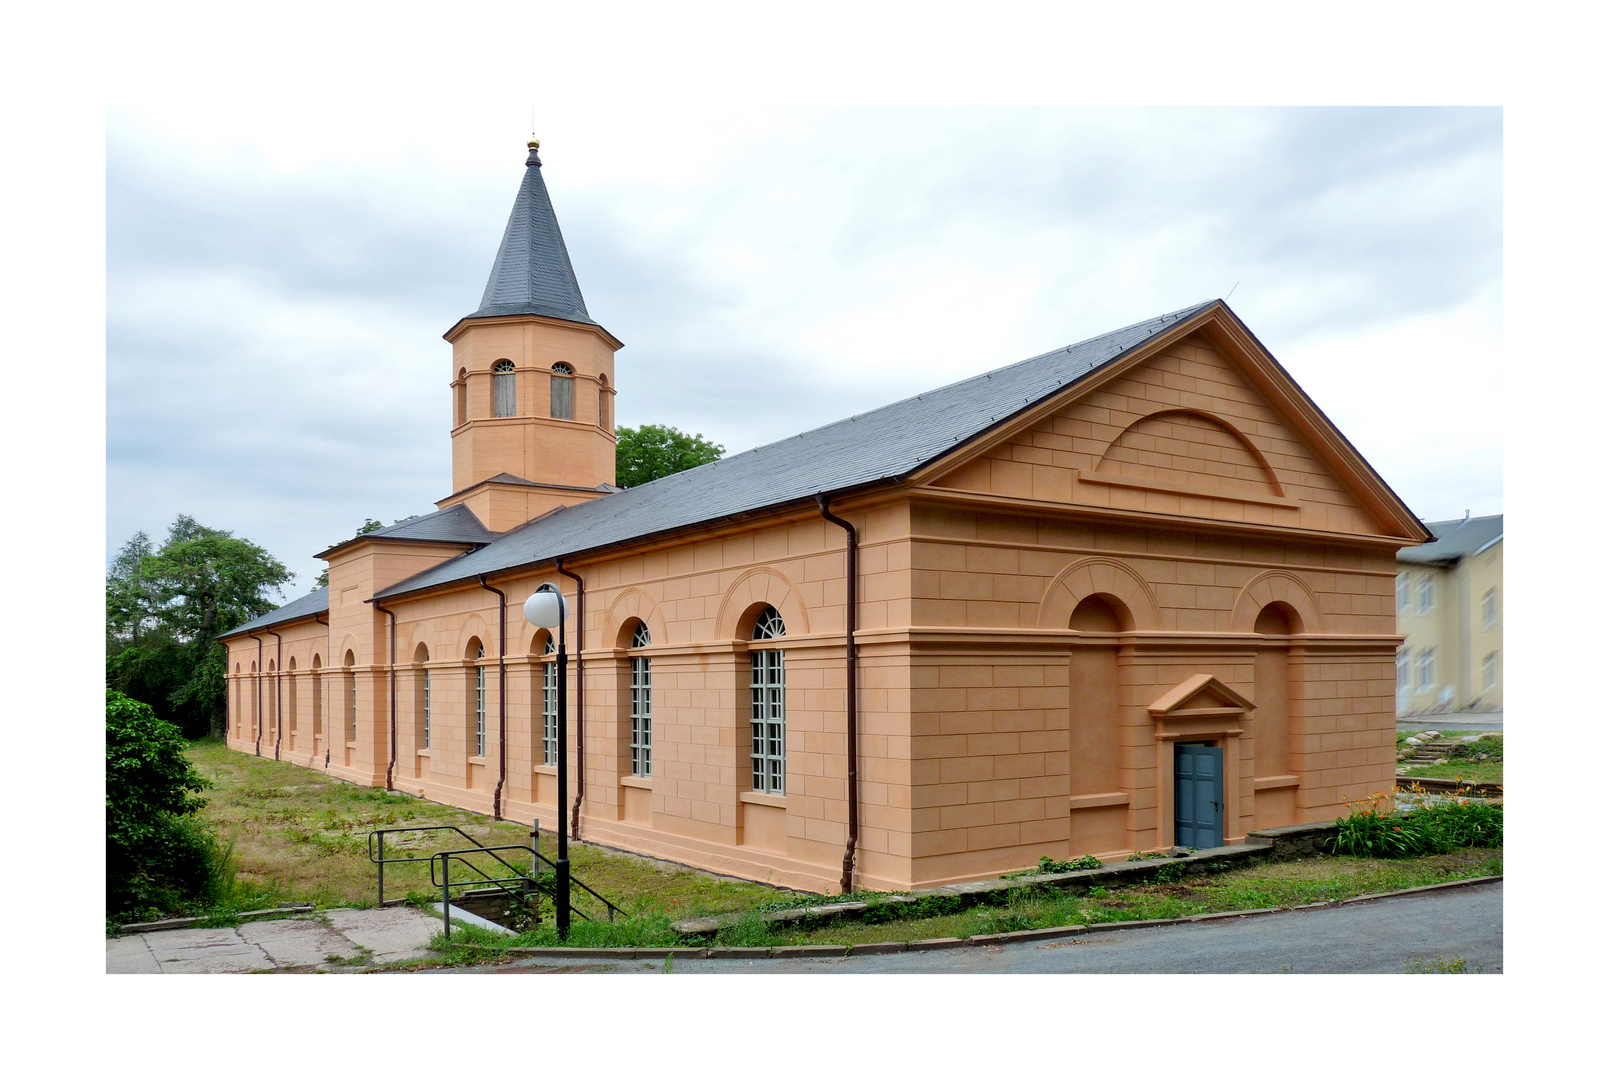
531,881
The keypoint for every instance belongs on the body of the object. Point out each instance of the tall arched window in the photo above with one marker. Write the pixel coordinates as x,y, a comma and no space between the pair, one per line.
350,676
236,689
550,706
480,700
1095,720
767,711
318,700
461,398
290,704
642,705
256,703
563,395
421,709
603,403
503,388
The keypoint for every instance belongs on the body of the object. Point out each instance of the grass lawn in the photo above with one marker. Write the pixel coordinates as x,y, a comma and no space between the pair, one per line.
1468,767
301,835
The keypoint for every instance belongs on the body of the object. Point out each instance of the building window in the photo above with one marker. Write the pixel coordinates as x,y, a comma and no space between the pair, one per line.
1404,674
550,708
1489,609
1427,593
318,698
1425,667
351,698
603,403
503,388
480,702
767,717
461,399
1489,673
563,397
642,706
1402,592
426,717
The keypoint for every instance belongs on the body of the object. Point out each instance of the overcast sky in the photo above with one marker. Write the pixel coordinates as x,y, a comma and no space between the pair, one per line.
277,291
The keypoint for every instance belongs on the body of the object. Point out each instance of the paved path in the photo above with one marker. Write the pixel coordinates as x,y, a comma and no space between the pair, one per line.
1389,936
355,937
1466,721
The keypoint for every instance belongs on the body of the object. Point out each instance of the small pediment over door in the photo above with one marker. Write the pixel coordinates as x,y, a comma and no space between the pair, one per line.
1201,705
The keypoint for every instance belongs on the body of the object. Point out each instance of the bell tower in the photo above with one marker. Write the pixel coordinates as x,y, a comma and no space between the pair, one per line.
533,378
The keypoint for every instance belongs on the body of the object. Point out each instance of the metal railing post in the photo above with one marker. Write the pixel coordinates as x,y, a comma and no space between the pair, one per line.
380,900
446,905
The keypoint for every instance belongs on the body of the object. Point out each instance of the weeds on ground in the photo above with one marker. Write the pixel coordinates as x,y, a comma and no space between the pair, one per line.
1440,965
1047,865
1427,830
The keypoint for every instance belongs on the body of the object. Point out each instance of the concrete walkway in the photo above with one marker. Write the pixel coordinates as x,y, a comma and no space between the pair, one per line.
343,939
1451,721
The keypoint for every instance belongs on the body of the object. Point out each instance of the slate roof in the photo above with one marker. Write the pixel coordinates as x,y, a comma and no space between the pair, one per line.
1455,540
885,444
316,602
456,525
532,274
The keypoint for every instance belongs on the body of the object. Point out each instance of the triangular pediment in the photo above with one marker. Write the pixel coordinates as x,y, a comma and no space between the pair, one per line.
1200,423
1198,696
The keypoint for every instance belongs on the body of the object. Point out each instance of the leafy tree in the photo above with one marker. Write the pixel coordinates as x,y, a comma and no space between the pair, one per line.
166,608
159,859
368,526
655,450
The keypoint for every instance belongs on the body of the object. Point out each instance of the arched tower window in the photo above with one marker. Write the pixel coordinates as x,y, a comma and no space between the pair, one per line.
503,388
603,403
767,710
461,398
642,705
563,396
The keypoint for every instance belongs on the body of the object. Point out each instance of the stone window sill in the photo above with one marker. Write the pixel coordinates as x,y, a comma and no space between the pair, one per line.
761,798
644,782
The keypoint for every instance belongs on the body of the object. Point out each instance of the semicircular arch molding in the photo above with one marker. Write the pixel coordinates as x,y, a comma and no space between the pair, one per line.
1276,586
629,605
1098,577
475,627
761,585
349,644
1227,443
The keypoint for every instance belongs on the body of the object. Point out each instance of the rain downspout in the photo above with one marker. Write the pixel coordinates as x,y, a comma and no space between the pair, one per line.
580,697
257,683
502,698
851,606
320,706
279,662
391,712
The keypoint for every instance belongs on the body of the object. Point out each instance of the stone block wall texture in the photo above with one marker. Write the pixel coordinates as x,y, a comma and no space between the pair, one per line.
995,727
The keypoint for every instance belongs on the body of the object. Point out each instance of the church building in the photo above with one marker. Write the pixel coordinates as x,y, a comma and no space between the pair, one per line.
1134,593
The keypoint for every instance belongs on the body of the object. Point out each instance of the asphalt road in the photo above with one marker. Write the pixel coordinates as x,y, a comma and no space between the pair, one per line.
1389,936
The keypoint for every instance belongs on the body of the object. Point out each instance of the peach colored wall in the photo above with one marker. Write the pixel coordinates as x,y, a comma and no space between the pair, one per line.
975,750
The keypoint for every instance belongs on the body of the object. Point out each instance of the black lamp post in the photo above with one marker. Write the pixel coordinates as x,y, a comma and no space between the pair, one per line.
546,607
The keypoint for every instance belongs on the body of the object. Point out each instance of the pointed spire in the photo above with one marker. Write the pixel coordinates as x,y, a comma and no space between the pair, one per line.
532,273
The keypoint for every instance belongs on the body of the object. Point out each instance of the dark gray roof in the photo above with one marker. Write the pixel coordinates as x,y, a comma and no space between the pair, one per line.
532,273
1455,539
316,602
881,445
454,525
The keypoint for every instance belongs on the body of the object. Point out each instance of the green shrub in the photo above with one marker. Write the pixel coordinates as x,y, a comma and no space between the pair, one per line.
159,858
1429,830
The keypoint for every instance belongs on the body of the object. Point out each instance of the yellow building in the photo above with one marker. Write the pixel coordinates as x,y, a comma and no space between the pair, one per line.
1132,593
1450,611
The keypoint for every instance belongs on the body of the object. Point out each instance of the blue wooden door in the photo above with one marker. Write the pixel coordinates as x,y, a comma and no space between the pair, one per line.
1198,795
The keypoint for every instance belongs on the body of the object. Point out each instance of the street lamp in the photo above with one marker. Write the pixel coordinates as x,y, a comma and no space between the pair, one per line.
546,607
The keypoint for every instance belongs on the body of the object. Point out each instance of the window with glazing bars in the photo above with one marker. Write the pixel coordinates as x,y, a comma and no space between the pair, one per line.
480,705
550,710
427,710
503,388
563,396
767,691
642,706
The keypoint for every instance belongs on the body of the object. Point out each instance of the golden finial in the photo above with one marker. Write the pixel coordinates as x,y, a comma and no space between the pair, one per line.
533,143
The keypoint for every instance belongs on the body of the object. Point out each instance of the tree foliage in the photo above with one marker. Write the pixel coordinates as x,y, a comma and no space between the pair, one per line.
368,526
159,859
165,608
655,450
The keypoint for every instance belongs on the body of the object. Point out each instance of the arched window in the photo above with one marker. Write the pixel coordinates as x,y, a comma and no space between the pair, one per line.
421,710
238,708
351,679
290,704
603,403
767,711
503,388
642,705
1271,690
563,395
461,398
318,700
550,706
480,698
